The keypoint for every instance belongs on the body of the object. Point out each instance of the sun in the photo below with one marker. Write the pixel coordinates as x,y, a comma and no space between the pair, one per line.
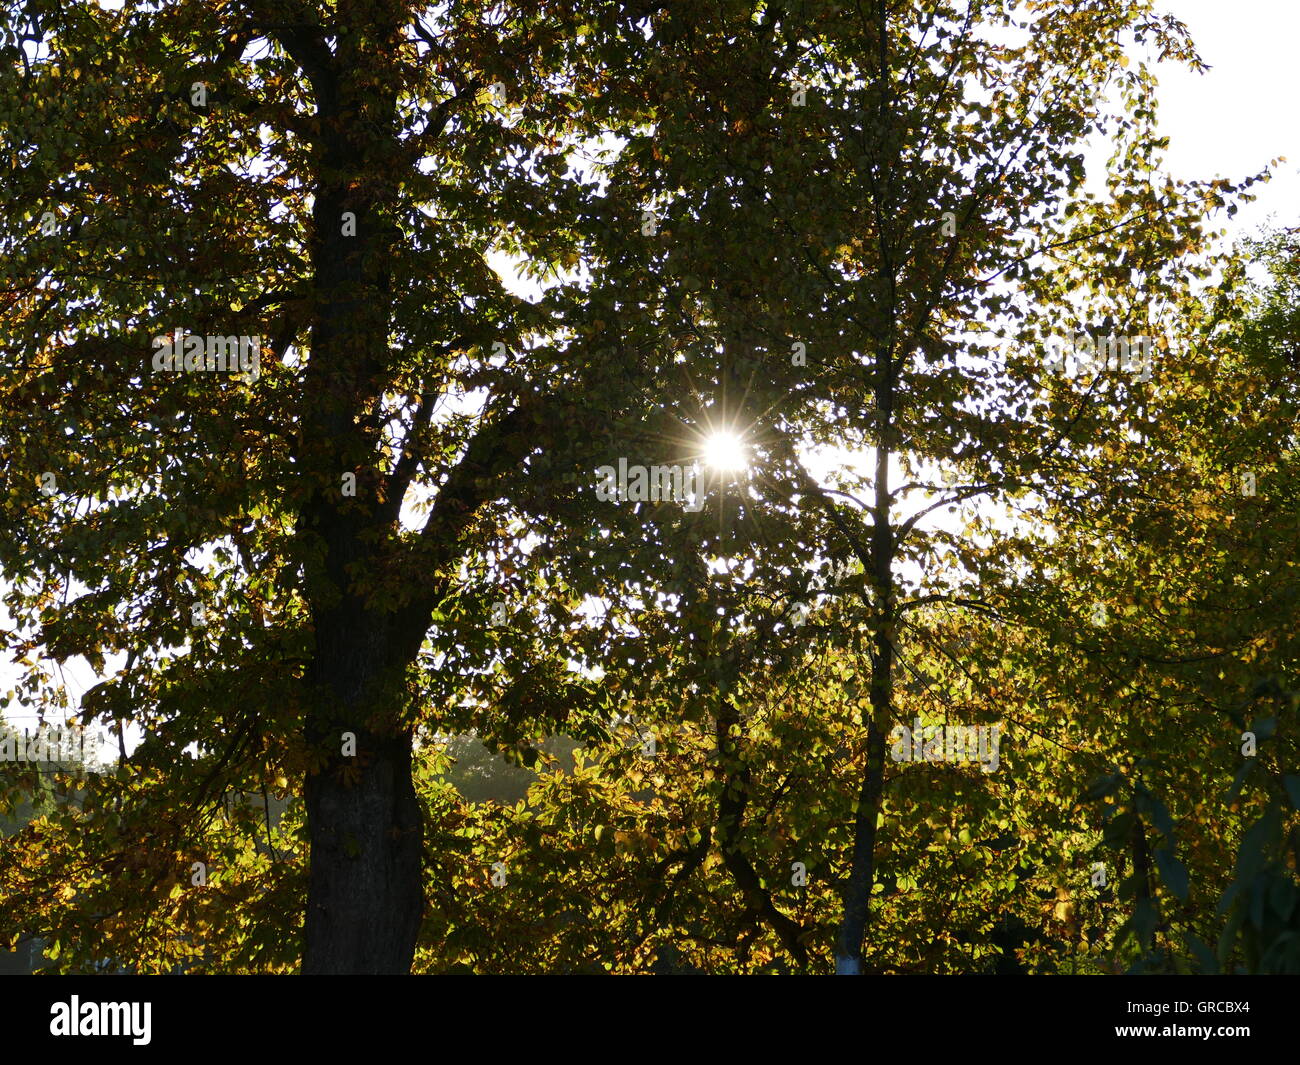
724,451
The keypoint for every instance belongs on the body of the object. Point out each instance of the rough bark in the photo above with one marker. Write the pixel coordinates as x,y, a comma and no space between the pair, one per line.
365,890
365,893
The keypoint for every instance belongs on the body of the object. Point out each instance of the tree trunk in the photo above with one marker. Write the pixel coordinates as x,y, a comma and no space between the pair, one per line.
857,894
365,896
365,889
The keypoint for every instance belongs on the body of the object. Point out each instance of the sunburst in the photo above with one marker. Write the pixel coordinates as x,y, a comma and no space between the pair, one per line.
725,451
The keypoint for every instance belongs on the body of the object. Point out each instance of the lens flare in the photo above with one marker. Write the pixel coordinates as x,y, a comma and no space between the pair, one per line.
724,451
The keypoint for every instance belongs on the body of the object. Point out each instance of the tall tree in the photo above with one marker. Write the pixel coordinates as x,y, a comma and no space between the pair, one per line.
874,221
269,548
822,223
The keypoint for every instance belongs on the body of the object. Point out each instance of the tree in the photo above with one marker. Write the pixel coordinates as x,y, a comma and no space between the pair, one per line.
1186,532
873,220
327,180
853,226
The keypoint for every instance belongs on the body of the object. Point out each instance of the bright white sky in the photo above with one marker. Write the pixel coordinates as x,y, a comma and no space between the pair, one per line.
1228,123
1232,120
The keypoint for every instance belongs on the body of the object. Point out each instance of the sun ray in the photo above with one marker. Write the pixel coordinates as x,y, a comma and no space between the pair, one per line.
724,451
